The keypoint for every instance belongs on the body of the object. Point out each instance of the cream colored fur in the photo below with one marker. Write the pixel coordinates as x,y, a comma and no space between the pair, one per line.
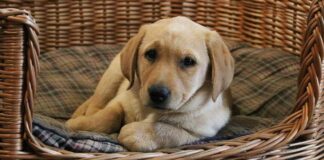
199,105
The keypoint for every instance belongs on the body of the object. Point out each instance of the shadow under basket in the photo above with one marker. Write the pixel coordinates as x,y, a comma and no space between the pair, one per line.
279,24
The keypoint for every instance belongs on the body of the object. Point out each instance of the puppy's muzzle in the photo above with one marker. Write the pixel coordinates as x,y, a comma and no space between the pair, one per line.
159,95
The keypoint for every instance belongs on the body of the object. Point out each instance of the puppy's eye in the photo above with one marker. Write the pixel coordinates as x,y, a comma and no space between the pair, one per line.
187,62
151,55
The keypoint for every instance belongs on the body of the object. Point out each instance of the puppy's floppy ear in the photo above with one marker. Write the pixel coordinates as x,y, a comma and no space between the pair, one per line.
222,63
129,56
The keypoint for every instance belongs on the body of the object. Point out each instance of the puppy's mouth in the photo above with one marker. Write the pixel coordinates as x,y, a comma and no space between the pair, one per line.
167,107
159,107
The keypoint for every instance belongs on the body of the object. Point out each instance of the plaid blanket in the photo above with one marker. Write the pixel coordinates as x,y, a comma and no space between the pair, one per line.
263,90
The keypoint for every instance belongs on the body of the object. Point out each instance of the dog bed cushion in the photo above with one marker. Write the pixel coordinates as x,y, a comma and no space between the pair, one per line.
264,91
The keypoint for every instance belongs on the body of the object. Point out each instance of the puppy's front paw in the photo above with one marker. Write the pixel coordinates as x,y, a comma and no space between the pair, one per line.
76,123
71,124
138,136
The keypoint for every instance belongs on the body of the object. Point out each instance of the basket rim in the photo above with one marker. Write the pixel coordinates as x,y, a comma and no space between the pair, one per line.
273,137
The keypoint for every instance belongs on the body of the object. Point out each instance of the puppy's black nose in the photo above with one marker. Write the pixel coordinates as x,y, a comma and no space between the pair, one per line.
159,94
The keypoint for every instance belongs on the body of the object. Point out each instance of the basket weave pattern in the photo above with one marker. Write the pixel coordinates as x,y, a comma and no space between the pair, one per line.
262,23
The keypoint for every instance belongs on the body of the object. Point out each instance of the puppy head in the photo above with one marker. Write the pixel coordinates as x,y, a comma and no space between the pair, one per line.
172,59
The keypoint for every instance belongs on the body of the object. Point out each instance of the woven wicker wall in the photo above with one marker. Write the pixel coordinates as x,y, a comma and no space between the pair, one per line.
86,22
11,84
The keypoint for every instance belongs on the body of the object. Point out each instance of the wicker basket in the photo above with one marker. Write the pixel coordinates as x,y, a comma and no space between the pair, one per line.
262,23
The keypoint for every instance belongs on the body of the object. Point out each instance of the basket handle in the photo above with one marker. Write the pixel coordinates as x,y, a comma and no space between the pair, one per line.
310,81
19,50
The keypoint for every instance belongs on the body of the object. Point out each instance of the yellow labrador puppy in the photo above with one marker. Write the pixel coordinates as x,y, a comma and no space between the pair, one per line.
167,87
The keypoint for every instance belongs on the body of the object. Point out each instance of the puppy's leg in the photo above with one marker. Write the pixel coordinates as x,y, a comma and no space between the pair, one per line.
148,136
107,120
81,110
107,87
105,90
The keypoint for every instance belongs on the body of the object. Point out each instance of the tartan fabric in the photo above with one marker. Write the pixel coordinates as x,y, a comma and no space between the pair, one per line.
68,77
53,133
264,91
